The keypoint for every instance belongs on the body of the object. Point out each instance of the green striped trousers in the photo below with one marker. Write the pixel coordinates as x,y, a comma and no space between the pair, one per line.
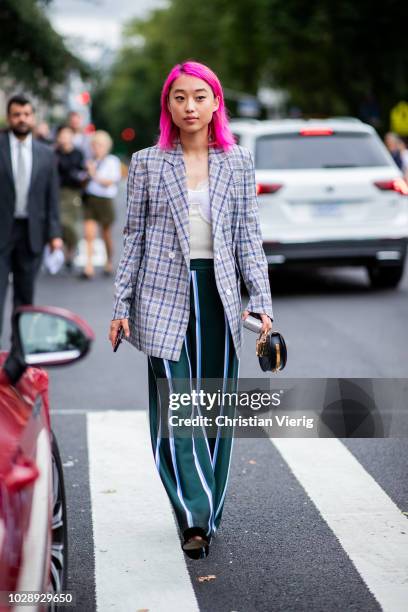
194,467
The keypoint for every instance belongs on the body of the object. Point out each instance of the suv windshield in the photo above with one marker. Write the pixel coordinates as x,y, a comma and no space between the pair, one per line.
342,150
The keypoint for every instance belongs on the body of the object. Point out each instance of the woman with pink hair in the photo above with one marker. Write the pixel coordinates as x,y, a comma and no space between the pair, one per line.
192,232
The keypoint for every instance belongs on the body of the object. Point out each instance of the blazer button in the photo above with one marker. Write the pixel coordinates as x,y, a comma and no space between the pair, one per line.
218,257
171,255
228,291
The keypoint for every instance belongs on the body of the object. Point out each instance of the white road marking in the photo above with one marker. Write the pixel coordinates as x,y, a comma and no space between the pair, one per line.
139,563
369,526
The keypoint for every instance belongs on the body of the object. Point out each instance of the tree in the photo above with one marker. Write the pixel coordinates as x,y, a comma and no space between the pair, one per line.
329,57
31,52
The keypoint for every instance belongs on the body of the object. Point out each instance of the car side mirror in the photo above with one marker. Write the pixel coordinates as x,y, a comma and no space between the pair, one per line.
50,338
46,336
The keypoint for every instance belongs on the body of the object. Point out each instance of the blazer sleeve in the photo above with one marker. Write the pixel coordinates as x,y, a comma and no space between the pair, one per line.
53,213
134,238
250,254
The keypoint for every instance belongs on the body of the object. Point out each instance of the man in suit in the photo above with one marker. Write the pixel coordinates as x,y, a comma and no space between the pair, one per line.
28,203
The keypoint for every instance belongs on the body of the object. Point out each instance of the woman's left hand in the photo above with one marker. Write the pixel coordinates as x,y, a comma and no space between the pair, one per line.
266,321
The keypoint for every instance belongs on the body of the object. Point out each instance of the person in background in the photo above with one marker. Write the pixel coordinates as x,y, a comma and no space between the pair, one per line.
104,172
81,139
42,133
28,203
72,174
404,157
393,144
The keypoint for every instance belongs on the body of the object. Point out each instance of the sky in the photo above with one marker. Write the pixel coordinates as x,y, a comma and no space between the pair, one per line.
92,24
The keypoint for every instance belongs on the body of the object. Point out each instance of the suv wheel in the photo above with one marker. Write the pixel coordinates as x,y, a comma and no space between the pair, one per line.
385,277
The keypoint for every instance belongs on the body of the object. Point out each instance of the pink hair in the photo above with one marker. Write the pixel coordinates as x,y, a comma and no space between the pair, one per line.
219,130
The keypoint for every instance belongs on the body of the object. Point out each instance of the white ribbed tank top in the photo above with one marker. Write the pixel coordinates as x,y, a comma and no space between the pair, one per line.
201,241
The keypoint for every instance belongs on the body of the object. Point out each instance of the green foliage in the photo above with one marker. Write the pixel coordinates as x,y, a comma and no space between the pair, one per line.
328,56
331,55
31,52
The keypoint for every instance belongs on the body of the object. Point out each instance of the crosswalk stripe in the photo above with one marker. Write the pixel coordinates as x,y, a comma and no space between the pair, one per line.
138,560
368,524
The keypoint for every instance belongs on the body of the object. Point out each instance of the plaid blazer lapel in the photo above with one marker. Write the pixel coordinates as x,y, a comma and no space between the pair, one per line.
174,177
220,177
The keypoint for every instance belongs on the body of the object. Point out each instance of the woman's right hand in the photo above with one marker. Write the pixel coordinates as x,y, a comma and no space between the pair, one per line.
91,167
115,326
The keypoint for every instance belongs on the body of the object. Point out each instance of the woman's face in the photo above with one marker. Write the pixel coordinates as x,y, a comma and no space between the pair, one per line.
100,148
191,103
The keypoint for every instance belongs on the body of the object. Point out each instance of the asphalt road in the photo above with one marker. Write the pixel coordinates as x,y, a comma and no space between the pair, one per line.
282,546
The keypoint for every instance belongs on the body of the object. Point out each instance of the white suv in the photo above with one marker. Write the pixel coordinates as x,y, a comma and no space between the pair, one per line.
329,194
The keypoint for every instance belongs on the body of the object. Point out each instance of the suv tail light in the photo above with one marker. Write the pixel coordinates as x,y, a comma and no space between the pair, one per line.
398,185
267,188
316,132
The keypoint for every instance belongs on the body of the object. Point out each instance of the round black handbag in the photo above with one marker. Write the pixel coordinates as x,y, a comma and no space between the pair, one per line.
271,351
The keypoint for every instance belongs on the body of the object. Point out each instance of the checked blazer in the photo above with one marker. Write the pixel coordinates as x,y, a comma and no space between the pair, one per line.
152,284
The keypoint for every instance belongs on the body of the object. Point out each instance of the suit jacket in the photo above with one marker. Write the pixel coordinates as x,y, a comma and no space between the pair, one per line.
43,196
152,281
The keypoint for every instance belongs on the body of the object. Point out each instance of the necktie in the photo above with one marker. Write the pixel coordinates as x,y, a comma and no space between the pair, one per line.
21,183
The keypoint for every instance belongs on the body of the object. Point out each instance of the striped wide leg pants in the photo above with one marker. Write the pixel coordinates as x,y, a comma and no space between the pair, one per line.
194,468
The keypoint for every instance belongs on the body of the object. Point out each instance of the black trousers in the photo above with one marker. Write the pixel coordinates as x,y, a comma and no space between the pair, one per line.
18,258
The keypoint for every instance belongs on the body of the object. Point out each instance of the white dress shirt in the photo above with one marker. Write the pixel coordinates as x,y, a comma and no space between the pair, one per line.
27,148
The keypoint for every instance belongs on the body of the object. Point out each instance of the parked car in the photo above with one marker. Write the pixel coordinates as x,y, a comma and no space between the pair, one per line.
33,521
329,194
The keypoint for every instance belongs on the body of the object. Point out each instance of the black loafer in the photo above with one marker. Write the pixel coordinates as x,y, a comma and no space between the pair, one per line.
193,547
